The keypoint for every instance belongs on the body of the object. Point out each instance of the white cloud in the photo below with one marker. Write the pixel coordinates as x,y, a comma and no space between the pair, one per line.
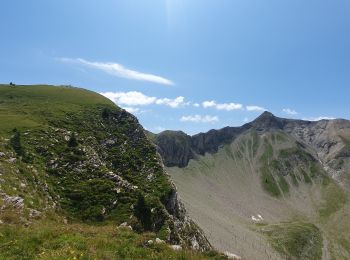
229,106
119,70
211,103
319,118
174,103
255,108
135,98
289,111
131,98
222,106
199,119
196,105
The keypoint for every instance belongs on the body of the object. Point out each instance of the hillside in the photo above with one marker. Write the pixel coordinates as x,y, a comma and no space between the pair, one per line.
74,167
272,189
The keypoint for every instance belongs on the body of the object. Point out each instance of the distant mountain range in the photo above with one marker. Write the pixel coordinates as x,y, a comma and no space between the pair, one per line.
270,189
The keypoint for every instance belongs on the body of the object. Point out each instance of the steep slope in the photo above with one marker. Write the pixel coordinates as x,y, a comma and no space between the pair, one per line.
71,155
271,189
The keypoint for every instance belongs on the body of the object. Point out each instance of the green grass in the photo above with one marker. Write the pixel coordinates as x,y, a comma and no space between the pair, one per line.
283,184
294,180
268,180
269,183
28,107
334,198
295,240
53,240
307,179
267,156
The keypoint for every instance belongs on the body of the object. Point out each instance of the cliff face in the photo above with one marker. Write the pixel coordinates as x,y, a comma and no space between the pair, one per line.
175,148
74,152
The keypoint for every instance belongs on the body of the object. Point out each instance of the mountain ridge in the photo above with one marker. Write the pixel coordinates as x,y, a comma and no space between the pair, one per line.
210,141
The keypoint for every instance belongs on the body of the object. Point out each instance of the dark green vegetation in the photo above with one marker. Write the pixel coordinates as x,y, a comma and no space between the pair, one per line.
292,163
295,240
72,152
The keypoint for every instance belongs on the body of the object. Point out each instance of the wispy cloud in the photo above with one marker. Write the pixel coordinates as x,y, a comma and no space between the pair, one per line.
135,98
222,106
319,118
199,119
119,70
255,108
289,111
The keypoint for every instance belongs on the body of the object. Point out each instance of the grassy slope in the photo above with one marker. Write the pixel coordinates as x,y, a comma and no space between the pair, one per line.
50,170
54,240
222,192
28,107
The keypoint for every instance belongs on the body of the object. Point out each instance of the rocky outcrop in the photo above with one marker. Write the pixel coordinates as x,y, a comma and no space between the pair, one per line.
175,148
184,226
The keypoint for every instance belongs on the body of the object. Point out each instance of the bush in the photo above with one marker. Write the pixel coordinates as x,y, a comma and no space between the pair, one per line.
72,142
143,213
105,113
16,143
92,199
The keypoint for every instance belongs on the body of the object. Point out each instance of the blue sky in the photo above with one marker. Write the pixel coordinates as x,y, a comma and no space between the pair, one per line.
188,65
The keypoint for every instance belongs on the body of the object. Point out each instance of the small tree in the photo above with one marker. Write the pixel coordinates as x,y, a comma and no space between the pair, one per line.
105,113
73,142
16,142
143,213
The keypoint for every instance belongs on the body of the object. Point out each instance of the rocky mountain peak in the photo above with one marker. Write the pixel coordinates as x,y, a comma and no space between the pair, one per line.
267,121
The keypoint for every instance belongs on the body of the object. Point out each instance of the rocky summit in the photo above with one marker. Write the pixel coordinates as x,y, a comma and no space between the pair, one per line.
79,178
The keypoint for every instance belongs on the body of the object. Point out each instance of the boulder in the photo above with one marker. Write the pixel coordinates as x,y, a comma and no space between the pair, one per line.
159,241
176,247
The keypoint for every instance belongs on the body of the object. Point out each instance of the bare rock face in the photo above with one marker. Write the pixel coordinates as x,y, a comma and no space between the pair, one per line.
184,227
175,148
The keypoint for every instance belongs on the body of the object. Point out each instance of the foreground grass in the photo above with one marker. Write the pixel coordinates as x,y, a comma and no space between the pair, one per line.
52,240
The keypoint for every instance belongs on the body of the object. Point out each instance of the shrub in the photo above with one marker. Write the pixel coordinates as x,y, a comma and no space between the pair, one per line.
143,213
16,143
105,113
73,142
